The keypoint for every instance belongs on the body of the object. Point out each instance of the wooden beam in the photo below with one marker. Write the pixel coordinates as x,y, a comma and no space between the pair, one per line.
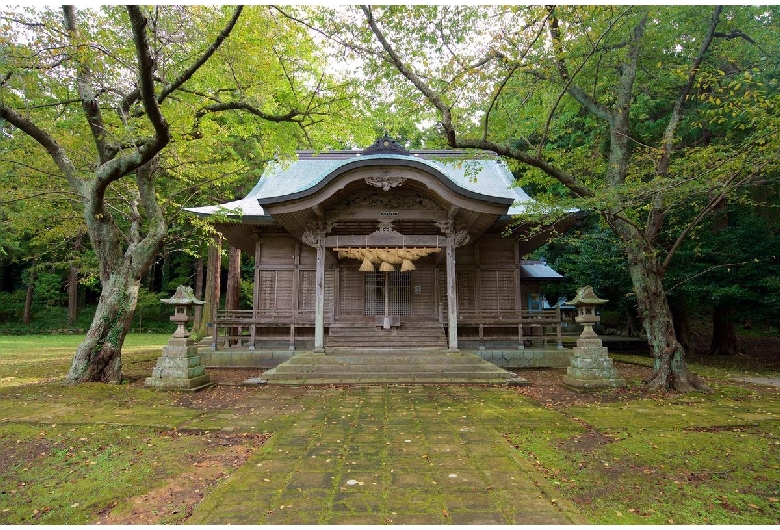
386,240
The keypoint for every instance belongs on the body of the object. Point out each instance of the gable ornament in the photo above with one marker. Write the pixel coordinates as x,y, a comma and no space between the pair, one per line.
385,181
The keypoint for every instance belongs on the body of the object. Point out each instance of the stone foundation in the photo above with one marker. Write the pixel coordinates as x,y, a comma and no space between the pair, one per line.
526,358
179,367
590,367
243,358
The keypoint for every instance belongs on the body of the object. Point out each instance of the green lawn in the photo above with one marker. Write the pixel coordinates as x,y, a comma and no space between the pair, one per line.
34,358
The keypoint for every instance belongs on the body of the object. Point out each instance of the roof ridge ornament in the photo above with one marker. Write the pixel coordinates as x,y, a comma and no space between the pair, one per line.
385,144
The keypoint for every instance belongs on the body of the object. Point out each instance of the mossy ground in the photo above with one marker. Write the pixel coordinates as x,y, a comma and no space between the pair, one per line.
657,459
110,453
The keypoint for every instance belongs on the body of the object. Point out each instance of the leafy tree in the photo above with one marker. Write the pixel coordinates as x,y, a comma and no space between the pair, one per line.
590,254
729,268
118,97
648,115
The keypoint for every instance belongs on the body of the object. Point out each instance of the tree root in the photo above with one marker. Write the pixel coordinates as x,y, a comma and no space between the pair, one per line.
678,380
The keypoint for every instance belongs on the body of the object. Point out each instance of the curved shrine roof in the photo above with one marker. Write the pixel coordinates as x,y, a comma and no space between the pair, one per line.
481,177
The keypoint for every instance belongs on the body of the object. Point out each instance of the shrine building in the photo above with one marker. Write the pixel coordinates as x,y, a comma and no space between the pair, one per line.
387,249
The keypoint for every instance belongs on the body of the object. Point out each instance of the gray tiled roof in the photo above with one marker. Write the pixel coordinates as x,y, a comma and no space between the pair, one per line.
538,270
488,177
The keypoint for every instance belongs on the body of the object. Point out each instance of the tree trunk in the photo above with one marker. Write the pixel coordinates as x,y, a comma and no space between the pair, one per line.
724,332
211,296
682,323
633,325
73,295
670,371
28,300
233,291
198,293
98,357
123,261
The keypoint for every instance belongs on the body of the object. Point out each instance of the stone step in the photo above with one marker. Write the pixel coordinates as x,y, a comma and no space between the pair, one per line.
387,368
385,360
379,368
376,379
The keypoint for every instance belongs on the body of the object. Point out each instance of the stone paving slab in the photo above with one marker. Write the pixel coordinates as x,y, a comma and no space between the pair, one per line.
389,455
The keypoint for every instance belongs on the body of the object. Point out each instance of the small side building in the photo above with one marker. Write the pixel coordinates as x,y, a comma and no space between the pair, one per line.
386,248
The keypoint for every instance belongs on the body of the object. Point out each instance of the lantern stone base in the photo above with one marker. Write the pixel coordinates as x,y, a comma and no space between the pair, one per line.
178,368
590,367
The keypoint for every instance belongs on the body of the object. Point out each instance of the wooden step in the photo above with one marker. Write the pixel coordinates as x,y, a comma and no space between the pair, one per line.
409,335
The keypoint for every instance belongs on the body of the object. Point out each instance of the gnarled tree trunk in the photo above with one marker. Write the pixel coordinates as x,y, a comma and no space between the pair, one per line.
98,357
670,371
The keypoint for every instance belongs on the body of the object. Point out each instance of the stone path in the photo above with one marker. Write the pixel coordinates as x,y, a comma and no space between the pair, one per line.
379,455
767,381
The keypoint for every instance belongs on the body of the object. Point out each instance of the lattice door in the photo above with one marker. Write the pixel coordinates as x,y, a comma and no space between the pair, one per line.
399,297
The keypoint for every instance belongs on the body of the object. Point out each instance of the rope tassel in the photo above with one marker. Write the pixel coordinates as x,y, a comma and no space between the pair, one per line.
366,266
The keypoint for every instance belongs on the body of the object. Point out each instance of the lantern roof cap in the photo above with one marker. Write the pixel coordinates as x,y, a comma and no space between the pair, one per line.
586,296
182,296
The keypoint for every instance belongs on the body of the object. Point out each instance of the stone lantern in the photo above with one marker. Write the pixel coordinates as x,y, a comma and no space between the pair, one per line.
590,366
586,303
179,368
181,301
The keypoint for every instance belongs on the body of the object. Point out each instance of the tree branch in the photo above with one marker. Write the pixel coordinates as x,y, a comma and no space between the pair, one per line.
408,73
656,214
135,95
557,173
580,95
677,110
584,99
47,141
731,183
293,115
189,72
89,101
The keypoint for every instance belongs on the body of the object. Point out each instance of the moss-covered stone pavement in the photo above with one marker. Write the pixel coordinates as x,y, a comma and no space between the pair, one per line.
340,455
376,455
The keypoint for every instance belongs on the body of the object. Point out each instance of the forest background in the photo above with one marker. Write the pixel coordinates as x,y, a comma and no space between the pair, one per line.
662,122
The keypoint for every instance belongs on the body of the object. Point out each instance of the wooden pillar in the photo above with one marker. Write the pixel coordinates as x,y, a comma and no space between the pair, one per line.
296,290
255,296
452,296
233,290
519,296
319,298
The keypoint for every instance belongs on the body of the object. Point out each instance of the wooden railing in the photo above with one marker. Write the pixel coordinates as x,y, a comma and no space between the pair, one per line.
232,325
534,321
